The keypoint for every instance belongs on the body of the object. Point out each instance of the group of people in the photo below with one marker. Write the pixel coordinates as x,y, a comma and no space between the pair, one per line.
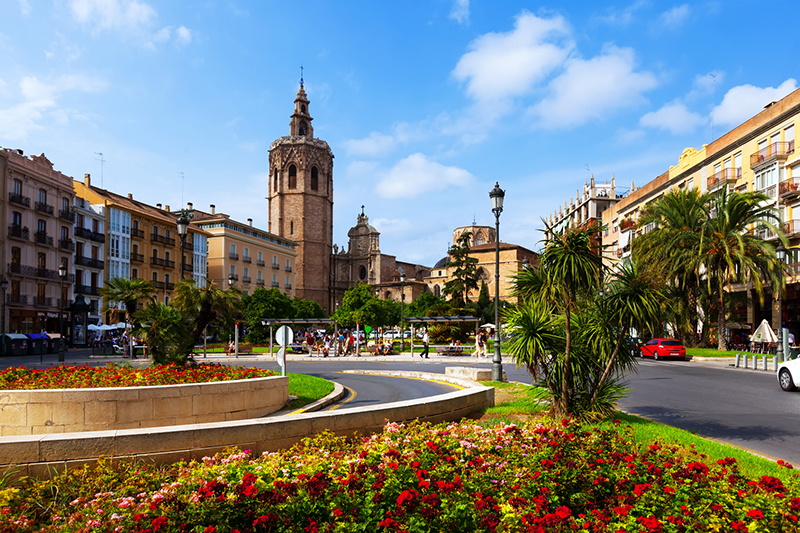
481,344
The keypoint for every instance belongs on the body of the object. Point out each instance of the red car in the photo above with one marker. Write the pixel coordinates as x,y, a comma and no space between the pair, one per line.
663,348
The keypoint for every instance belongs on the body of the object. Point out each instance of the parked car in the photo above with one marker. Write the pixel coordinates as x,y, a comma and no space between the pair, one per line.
663,348
789,374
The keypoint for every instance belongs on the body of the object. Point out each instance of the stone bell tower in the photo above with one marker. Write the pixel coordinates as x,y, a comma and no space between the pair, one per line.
301,201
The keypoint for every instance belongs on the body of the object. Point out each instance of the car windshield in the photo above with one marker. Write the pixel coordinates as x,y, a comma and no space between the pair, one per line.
671,343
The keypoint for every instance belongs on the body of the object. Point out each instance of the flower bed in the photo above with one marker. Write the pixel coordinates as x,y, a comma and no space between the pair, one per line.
456,477
111,375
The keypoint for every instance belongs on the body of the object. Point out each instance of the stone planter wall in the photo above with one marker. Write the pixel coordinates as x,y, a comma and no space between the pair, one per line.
33,412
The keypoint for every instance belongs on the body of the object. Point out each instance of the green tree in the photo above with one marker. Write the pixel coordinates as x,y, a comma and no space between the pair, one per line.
263,304
128,293
425,302
353,300
166,331
304,308
464,276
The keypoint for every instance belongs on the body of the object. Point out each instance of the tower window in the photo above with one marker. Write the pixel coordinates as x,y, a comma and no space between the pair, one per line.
276,179
314,179
303,109
292,177
291,228
301,131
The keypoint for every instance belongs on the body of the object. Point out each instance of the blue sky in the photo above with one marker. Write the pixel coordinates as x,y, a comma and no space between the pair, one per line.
425,104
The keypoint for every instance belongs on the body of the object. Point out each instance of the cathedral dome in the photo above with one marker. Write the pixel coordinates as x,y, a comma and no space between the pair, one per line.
441,262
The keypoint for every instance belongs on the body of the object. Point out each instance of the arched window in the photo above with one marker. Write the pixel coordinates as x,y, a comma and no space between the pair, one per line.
437,291
303,108
292,177
479,239
482,275
276,180
362,272
301,131
314,179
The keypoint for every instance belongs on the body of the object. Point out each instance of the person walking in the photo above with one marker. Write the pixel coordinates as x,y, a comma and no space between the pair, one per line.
425,341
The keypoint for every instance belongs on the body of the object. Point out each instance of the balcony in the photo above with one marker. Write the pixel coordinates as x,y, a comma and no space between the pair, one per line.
87,290
42,207
791,228
234,276
260,282
42,301
33,272
276,266
188,246
288,269
723,177
166,263
91,262
160,285
66,244
19,199
155,237
233,256
18,232
137,258
66,214
187,267
789,189
275,284
84,233
246,279
137,233
168,286
626,224
17,299
260,262
771,152
247,259
41,237
764,234
288,286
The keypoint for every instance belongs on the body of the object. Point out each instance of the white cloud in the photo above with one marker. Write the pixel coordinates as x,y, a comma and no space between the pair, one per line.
460,11
24,7
113,14
593,88
398,227
675,17
373,145
417,175
40,97
673,117
622,17
183,35
705,84
502,65
742,102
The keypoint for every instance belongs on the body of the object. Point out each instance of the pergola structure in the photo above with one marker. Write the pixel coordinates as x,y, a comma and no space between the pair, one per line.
436,320
271,322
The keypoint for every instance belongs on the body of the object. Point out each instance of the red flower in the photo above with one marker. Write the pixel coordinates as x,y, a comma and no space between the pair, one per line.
755,514
158,522
209,529
337,512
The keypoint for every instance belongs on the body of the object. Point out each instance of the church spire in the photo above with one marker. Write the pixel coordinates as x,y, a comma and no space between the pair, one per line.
300,126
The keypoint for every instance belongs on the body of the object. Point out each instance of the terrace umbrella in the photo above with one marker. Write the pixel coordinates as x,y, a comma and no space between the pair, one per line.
93,327
764,333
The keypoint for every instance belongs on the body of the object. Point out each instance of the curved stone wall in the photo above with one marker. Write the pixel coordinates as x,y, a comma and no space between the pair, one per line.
33,412
43,455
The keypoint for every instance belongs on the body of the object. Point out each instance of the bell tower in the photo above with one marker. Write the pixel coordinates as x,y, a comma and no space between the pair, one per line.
301,201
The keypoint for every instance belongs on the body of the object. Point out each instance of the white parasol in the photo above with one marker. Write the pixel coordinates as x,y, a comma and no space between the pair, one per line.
764,333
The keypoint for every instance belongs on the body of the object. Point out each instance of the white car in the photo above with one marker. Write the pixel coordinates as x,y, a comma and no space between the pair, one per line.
789,374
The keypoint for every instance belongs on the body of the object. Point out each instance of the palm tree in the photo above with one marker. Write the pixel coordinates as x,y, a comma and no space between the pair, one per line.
165,330
206,305
128,292
730,252
671,248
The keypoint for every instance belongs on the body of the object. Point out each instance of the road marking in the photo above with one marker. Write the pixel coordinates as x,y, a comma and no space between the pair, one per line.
352,397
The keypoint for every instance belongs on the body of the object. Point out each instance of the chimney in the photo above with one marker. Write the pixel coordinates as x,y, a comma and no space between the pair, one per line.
249,221
130,196
190,205
87,180
213,209
166,208
158,206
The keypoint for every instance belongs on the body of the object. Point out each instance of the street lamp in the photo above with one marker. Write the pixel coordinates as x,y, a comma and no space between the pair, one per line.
183,228
497,194
231,280
62,275
780,251
402,310
4,285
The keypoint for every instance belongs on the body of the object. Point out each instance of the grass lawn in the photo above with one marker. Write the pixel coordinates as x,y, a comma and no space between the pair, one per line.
308,389
713,352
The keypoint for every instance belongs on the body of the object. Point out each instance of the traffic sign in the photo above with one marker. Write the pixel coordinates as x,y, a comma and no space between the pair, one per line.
284,336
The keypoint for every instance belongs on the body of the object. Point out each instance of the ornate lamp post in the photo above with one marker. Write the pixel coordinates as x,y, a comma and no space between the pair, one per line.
402,309
62,274
183,228
497,194
780,251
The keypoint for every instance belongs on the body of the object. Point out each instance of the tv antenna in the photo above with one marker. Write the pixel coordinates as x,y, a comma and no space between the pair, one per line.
102,161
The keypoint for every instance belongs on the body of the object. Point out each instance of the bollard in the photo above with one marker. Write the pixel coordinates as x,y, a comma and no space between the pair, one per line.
738,359
745,361
775,363
755,362
764,361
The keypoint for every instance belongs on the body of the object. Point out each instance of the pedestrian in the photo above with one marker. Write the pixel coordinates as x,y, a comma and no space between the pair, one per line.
425,341
791,339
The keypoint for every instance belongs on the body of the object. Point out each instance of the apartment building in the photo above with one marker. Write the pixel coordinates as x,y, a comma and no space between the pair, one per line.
588,204
758,155
142,241
90,239
36,204
246,257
